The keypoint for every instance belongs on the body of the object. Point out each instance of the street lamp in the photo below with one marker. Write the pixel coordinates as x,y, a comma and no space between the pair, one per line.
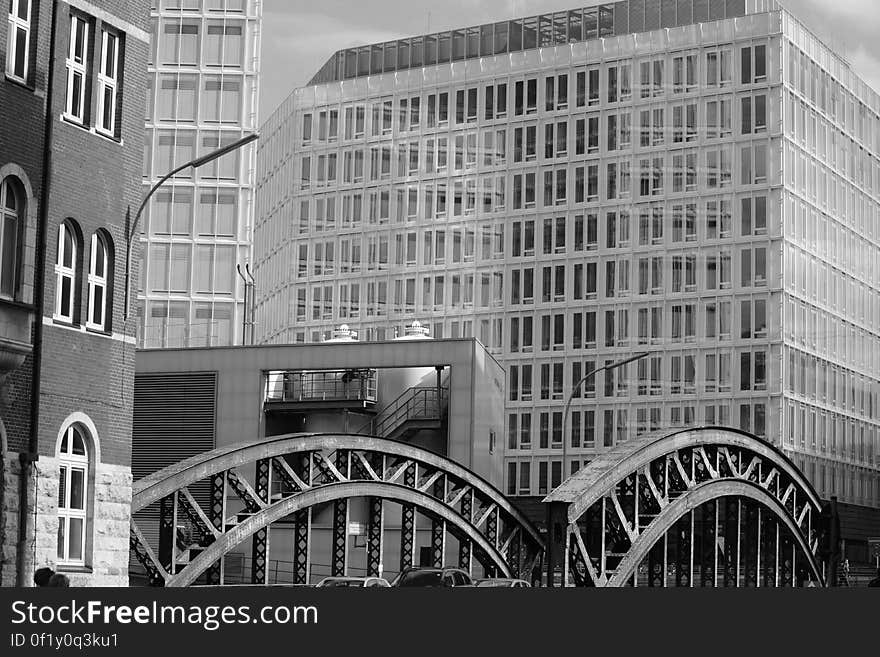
195,164
577,386
550,524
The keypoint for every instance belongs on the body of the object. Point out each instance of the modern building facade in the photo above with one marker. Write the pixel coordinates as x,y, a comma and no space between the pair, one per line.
70,163
202,94
693,179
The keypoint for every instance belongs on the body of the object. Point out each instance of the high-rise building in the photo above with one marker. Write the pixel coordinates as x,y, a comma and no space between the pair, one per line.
71,136
698,180
202,94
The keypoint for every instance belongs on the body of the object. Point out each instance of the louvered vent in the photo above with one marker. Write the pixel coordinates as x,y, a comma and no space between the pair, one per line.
174,418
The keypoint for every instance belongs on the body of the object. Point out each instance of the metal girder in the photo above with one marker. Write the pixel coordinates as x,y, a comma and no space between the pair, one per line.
217,517
305,464
260,543
702,493
590,484
407,519
143,552
330,493
159,484
375,530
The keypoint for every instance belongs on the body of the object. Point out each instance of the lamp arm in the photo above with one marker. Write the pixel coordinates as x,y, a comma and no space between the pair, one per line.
130,237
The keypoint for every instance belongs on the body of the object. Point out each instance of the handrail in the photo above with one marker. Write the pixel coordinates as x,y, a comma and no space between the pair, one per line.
417,402
322,385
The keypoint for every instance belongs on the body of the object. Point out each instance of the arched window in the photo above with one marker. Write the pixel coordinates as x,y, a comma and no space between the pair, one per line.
12,214
99,295
65,273
73,495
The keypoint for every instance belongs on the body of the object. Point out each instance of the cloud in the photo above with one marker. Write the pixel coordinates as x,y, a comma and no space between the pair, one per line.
861,13
867,66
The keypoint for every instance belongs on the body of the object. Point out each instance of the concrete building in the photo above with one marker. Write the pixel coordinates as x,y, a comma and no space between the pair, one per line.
70,153
202,94
443,395
695,179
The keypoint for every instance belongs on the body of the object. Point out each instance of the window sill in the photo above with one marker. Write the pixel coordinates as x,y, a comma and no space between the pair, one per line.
72,568
19,82
98,331
17,304
60,321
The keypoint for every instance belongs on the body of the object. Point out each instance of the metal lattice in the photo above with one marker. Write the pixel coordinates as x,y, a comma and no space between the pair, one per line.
708,507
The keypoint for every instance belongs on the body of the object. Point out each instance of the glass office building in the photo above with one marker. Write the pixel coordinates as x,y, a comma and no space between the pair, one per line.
693,179
202,94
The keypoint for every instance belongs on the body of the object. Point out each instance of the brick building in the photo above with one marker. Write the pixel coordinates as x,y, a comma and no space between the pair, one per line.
71,149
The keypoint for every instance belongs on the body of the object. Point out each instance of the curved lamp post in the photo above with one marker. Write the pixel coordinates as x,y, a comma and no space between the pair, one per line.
195,164
550,561
577,387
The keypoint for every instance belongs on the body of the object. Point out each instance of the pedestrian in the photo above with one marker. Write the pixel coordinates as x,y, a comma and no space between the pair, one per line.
59,580
43,575
875,583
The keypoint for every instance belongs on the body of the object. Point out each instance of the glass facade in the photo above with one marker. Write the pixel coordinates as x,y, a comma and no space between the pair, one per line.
202,94
574,204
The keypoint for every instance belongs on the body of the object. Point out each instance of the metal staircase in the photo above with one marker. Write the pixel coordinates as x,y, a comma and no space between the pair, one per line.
419,407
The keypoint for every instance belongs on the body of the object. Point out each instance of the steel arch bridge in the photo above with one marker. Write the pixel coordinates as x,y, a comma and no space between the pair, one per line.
287,477
701,507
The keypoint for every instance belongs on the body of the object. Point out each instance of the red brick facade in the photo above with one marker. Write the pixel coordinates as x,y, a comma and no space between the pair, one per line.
94,181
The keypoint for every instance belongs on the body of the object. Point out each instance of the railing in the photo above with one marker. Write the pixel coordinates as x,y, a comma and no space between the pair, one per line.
417,403
324,385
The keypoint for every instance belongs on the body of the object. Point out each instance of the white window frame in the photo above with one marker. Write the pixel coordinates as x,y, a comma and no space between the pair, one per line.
69,462
74,108
17,24
97,281
63,273
108,82
6,215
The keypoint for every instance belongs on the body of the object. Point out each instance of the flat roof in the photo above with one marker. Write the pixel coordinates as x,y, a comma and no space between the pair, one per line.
604,19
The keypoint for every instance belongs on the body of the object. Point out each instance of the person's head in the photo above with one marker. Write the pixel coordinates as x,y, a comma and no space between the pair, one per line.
59,579
42,576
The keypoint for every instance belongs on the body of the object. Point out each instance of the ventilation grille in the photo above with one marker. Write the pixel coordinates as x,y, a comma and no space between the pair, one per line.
174,419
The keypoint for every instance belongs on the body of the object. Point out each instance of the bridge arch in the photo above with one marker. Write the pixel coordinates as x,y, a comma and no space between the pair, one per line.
712,505
289,476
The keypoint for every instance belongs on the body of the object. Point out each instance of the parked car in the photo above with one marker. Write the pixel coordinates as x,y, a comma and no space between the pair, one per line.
433,577
356,582
502,582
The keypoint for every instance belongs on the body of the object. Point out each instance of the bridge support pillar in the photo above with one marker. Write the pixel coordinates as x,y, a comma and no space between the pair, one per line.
557,525
465,548
408,523
375,531
217,514
260,543
167,528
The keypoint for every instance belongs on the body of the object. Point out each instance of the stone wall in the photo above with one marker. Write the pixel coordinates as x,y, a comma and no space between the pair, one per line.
110,518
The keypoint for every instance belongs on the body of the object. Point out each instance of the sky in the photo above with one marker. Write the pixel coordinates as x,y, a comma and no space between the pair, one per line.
300,35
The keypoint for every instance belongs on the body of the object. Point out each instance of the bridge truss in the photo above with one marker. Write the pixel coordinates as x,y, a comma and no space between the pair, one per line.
287,478
703,507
